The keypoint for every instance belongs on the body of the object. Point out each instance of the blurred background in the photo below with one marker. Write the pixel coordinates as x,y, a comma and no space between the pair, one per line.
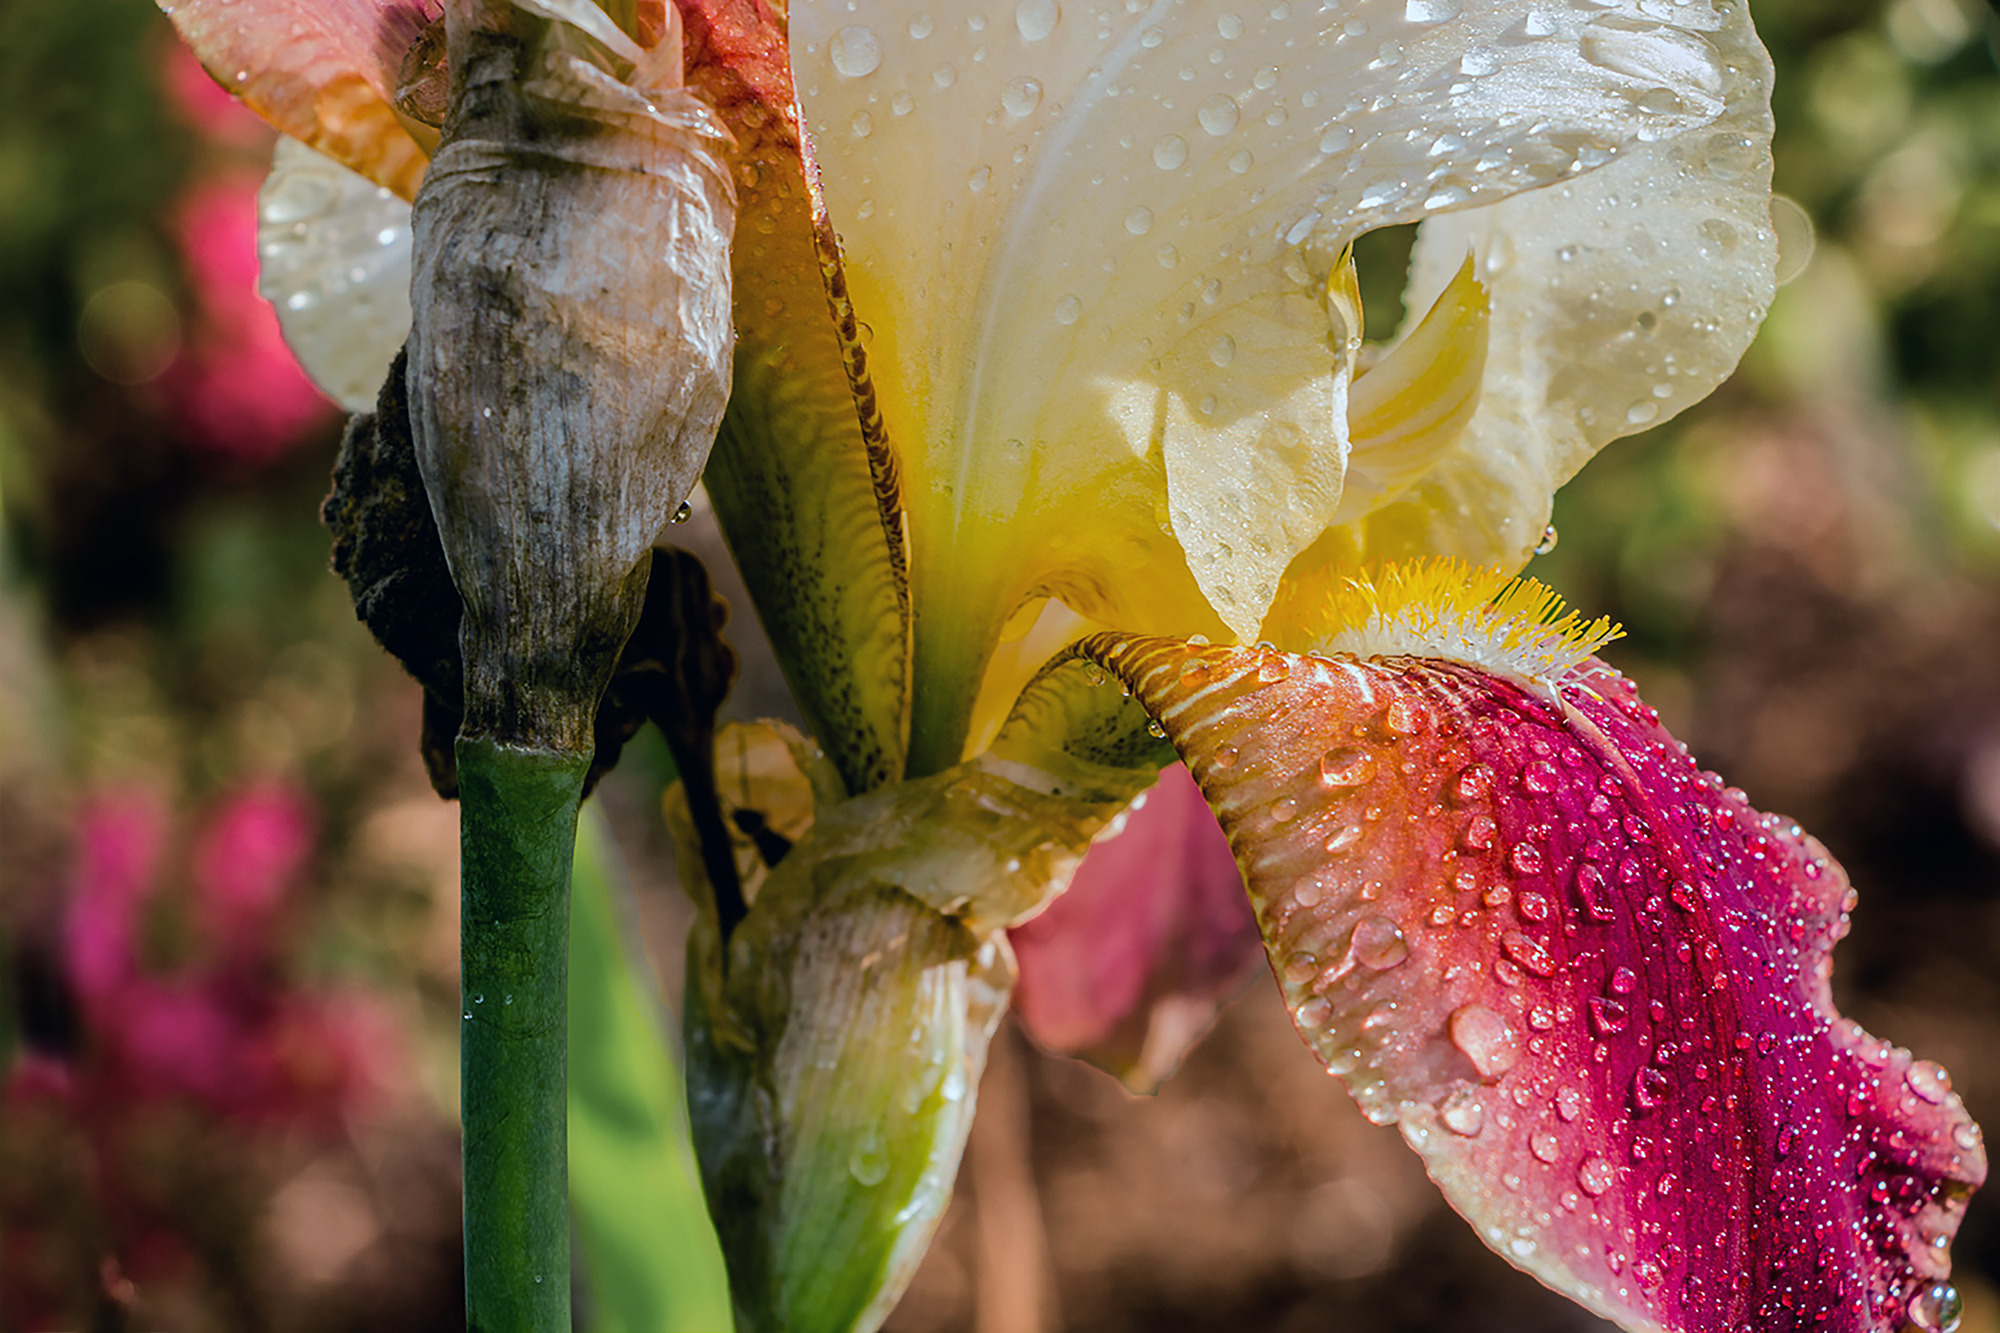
228,917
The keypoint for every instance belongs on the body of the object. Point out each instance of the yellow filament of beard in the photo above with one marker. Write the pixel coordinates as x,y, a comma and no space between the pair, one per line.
1452,610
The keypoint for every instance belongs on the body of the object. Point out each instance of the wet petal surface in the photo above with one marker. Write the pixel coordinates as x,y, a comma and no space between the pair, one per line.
323,71
1587,980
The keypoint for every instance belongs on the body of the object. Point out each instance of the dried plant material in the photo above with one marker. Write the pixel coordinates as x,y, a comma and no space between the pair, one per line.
570,353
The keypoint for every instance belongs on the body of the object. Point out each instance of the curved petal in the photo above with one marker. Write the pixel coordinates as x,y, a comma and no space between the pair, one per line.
334,262
323,71
1093,243
1586,979
1128,968
806,492
1618,300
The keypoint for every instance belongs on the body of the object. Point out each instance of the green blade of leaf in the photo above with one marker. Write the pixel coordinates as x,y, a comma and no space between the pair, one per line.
649,1255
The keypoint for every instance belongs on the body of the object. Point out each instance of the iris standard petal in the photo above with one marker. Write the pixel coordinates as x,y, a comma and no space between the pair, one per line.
1092,244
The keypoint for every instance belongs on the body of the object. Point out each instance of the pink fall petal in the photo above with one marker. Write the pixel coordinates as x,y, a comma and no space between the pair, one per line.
1154,934
1587,980
323,71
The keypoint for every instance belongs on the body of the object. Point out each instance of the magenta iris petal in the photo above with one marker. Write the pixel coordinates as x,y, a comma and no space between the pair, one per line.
1129,966
1586,979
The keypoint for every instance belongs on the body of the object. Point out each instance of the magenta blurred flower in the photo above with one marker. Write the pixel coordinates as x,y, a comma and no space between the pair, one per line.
236,390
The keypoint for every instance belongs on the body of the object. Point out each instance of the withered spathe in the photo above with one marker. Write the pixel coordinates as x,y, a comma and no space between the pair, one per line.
570,348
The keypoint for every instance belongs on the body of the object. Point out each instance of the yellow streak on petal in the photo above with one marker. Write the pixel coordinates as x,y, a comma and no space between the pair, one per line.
1439,608
1404,412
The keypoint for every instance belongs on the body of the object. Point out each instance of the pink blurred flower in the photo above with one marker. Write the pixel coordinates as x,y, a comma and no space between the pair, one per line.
236,390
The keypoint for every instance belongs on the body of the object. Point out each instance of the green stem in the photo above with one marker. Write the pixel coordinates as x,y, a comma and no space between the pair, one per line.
517,829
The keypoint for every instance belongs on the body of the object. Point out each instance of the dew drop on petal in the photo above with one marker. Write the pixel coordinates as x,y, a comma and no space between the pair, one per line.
1937,1308
1347,766
1170,153
1484,1038
1036,19
855,51
1068,310
1021,97
1548,541
1218,115
1462,1113
1139,221
1378,943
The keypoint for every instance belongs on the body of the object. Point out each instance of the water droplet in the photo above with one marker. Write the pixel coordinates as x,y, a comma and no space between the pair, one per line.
1642,412
1378,943
1168,256
1151,38
1139,221
1036,19
1314,1012
1335,137
1265,79
1569,1104
1624,980
855,51
1297,233
1021,97
1224,350
1218,114
1346,766
902,104
944,75
868,1163
1929,1081
1548,541
863,124
1284,809
1485,1039
1526,858
1529,952
1479,832
1546,1147
921,25
1229,27
978,178
1607,1015
1068,310
1170,152
1429,11
1649,1089
1463,1113
1596,1175
1937,1308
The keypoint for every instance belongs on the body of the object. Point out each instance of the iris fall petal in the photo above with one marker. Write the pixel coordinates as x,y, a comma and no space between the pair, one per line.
1587,981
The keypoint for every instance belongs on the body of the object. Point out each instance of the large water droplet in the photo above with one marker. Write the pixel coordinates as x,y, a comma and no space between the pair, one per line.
1021,97
1170,152
1223,351
1378,943
1929,1081
1139,221
921,25
1596,1174
944,75
1545,1146
1335,137
1068,309
1548,541
1485,1039
1036,19
1937,1308
855,51
1429,11
1346,766
1463,1113
1218,114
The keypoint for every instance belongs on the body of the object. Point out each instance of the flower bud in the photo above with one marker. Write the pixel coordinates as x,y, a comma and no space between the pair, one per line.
570,345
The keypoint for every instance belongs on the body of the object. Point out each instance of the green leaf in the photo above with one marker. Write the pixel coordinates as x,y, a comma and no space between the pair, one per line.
649,1256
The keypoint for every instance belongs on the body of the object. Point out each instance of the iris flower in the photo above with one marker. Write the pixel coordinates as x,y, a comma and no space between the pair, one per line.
1055,454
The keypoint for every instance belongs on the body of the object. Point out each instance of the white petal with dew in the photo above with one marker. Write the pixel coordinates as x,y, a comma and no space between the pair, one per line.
333,253
1618,300
1043,205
